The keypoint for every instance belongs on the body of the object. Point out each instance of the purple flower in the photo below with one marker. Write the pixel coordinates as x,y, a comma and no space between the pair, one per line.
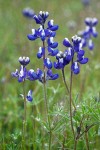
40,52
28,12
73,53
66,42
51,43
59,64
32,75
83,60
41,17
51,76
20,75
75,45
29,96
41,33
33,36
52,52
90,44
24,60
91,22
51,26
63,58
75,68
48,63
89,32
39,75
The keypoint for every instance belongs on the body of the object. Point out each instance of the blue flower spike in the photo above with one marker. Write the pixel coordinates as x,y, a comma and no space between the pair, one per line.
89,32
73,53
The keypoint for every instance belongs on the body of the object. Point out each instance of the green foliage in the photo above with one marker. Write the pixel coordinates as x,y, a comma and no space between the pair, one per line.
13,34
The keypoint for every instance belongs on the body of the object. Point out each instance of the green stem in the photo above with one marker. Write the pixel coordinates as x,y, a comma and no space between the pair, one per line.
45,98
71,115
24,120
47,112
63,74
34,126
75,144
70,97
87,141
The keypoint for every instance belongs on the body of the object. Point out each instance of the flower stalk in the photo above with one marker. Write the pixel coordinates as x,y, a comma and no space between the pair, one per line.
45,97
24,118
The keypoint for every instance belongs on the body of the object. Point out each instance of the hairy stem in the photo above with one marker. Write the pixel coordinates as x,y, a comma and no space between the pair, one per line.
45,98
63,74
70,98
71,115
75,144
87,141
24,120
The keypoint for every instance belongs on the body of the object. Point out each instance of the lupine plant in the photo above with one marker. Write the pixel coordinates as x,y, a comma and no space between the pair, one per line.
22,75
89,32
73,56
87,36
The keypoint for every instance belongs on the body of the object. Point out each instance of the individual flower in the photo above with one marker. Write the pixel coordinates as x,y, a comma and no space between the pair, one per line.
52,51
41,17
48,63
33,36
90,44
75,68
28,12
24,60
29,96
51,26
51,42
21,75
51,76
40,52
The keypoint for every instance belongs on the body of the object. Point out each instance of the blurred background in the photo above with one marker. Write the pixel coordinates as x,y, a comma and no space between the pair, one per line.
14,27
